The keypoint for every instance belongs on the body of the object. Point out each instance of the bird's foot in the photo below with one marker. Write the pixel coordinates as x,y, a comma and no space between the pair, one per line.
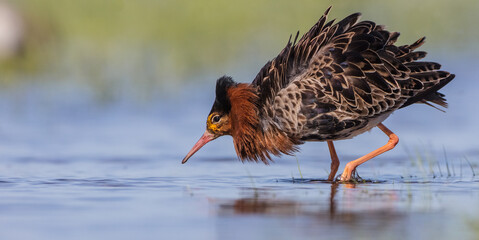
350,175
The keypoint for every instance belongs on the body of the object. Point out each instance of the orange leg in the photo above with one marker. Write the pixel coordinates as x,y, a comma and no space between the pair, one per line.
334,161
351,166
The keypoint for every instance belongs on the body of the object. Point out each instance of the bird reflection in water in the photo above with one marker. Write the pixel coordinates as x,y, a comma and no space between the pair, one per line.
262,203
350,205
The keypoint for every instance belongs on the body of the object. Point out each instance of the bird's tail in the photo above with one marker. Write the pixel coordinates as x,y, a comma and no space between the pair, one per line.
425,78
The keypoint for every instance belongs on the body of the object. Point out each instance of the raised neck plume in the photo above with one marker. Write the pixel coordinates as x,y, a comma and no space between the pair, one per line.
339,80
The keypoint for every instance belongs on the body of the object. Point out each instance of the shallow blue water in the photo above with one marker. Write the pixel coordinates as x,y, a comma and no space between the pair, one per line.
75,169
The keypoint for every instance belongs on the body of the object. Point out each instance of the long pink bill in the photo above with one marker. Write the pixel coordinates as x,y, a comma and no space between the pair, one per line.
207,136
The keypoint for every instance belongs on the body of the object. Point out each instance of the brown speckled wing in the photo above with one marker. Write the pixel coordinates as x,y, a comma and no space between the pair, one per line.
292,61
342,79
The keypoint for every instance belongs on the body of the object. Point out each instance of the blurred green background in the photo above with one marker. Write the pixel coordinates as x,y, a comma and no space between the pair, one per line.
147,48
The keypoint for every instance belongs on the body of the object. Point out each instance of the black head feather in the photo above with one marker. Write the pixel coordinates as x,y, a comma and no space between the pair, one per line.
222,103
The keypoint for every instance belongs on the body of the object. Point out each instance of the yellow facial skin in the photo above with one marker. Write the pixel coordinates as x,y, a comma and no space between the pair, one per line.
220,127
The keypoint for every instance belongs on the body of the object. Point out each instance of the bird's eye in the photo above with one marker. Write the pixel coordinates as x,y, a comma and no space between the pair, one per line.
215,119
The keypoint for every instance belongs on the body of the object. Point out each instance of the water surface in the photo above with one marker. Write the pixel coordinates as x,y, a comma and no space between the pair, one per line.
73,169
